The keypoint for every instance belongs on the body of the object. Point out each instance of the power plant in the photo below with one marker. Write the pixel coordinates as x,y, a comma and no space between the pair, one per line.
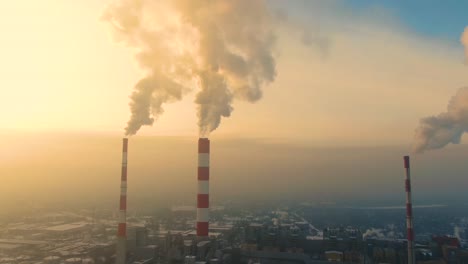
226,51
203,199
278,235
236,230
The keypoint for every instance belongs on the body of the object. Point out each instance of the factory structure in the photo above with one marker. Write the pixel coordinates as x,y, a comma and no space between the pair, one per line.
198,245
213,233
191,238
281,237
203,239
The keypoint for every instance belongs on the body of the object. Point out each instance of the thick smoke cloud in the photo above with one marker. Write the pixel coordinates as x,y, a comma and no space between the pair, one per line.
222,47
437,131
464,41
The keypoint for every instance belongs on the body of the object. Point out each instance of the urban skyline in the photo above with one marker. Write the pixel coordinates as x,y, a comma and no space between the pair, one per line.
233,132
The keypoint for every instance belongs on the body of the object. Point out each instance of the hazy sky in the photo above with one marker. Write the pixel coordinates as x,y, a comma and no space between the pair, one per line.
85,169
353,76
366,75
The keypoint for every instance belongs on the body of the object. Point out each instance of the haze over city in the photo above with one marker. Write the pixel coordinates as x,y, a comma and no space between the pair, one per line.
305,103
348,75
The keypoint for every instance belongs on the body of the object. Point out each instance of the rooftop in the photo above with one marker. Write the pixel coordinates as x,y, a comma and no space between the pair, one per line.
9,246
67,227
22,242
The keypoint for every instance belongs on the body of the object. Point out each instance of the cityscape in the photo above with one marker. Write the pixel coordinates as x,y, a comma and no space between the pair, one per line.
233,132
237,231
260,233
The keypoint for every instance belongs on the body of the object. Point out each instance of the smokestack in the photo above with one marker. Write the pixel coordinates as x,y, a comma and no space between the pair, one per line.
409,212
203,196
122,228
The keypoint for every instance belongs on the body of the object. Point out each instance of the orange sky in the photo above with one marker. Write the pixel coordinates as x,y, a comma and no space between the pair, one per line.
62,71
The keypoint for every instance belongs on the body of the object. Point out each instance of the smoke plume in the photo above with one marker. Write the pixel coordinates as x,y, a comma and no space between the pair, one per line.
221,47
373,233
464,41
437,131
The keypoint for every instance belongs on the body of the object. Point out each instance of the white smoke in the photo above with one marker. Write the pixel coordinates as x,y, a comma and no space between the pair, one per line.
448,127
464,41
375,233
222,47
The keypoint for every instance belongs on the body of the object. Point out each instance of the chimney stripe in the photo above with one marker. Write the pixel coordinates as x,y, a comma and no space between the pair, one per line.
204,160
407,185
123,177
122,216
203,214
123,202
203,201
203,194
203,173
203,187
406,162
122,232
409,211
122,227
410,234
202,229
203,145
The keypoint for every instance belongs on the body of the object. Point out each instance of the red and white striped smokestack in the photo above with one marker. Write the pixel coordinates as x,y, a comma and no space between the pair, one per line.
409,212
203,196
122,228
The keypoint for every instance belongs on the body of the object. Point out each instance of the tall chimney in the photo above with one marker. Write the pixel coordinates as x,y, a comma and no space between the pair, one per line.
122,229
203,197
409,212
